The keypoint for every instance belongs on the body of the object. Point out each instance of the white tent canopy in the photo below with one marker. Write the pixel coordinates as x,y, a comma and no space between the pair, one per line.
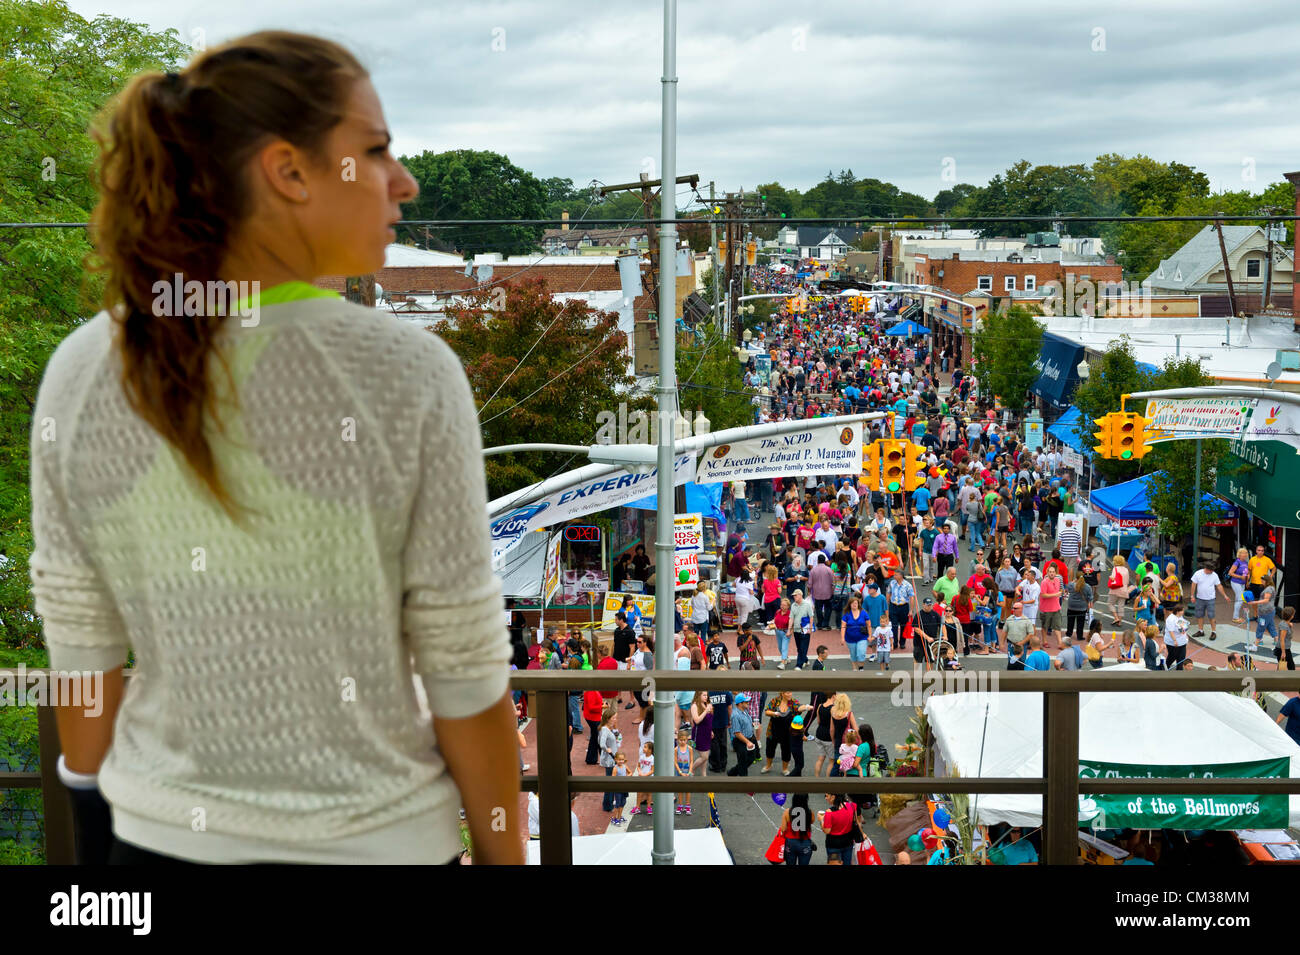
692,847
1001,735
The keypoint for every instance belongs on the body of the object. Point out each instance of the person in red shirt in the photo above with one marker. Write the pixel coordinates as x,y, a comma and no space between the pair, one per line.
593,708
606,661
1055,561
837,822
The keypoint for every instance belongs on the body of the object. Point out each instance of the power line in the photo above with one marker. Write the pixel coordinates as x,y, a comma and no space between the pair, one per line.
892,221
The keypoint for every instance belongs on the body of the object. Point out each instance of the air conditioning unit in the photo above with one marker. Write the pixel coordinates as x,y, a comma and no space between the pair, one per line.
1289,359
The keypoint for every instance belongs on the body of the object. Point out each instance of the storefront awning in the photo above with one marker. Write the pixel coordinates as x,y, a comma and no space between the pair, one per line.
1056,364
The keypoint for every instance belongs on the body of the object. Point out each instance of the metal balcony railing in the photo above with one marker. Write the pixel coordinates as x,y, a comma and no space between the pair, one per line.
1060,784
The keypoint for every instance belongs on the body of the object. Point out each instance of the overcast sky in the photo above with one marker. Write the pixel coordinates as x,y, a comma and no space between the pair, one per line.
784,91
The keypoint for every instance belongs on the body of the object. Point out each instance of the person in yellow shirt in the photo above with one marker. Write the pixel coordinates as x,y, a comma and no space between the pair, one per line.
1261,567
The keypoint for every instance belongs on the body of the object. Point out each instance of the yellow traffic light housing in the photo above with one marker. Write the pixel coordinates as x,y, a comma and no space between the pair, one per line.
1105,437
1123,436
916,467
1139,432
893,460
871,465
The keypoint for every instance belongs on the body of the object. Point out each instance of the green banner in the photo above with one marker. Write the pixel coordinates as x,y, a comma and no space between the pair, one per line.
1264,478
1228,811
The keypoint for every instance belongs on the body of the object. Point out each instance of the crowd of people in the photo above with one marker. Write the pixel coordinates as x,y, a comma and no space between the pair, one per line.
988,557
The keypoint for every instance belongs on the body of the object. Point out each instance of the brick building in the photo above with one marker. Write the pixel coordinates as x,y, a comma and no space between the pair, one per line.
1000,272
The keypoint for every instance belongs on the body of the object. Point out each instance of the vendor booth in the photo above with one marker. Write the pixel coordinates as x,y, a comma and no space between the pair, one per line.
1125,512
1122,734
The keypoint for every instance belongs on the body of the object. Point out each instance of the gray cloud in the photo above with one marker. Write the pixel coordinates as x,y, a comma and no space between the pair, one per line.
778,91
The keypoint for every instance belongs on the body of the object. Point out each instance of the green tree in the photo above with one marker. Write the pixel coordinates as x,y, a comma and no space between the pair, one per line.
1172,464
475,184
1113,375
708,377
1005,347
577,368
948,199
57,71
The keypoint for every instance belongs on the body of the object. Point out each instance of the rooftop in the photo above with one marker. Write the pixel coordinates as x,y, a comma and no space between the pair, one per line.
1253,344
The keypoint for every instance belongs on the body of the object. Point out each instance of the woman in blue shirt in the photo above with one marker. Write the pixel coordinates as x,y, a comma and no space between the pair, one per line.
1144,606
854,627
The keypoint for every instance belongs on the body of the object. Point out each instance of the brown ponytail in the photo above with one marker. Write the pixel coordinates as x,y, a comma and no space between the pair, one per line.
173,192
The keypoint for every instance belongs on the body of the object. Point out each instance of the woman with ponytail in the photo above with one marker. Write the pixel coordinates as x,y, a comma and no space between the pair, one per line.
273,498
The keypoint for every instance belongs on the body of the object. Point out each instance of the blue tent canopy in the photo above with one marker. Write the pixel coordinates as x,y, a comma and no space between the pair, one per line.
908,327
1129,502
1064,431
705,498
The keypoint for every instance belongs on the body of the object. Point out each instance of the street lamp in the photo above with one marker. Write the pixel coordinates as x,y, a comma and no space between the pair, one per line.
702,424
1082,370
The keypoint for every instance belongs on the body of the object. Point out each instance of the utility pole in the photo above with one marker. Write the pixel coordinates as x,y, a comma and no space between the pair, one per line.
713,273
665,544
645,184
1227,272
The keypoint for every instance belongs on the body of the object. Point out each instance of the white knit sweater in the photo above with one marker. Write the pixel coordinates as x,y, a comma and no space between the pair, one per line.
273,702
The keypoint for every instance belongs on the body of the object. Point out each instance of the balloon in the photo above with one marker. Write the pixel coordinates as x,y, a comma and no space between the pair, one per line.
929,838
941,818
778,798
1248,595
914,842
683,575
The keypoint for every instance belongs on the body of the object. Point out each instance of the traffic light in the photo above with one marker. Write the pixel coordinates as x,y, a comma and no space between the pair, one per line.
1123,436
893,456
916,467
1130,437
871,465
1105,437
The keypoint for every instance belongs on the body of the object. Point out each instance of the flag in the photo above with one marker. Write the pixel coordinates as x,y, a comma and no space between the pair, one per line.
714,821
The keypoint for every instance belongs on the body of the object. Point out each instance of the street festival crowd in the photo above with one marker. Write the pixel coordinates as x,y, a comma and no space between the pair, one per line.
977,561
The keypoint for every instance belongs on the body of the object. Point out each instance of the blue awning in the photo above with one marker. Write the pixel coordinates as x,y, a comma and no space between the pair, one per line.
1127,503
1063,430
1147,367
1056,364
908,327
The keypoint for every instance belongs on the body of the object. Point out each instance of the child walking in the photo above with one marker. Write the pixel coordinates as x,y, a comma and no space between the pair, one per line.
682,760
619,800
645,766
884,637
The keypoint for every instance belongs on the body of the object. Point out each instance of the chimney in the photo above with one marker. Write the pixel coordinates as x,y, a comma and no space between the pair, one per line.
956,256
564,227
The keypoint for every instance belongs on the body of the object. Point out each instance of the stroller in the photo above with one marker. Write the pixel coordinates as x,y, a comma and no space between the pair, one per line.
875,766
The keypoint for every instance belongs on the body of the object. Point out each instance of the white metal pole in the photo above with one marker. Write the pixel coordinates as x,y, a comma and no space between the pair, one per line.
666,585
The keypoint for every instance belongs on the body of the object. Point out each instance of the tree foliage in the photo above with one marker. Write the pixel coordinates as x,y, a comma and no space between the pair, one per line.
1005,347
709,378
57,71
1113,375
1172,464
474,184
577,368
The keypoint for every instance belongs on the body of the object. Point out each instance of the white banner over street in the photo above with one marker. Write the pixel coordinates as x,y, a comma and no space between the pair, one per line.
577,500
817,451
1171,419
1274,421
